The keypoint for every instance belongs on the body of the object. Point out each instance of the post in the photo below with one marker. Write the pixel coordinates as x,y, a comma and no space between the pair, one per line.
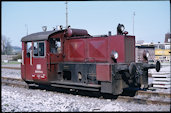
26,28
133,22
66,15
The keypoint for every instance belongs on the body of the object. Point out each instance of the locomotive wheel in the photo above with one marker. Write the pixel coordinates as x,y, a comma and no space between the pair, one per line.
132,69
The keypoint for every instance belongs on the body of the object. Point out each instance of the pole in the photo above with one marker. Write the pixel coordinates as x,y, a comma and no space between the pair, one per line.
133,22
66,14
26,28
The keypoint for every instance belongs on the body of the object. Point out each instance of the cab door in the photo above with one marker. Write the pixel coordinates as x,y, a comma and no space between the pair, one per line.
39,61
28,61
54,57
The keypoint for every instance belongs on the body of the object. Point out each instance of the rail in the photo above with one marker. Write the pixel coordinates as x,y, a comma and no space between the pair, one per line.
17,68
21,83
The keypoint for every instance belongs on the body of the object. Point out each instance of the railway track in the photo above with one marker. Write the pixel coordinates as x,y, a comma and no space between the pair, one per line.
143,101
16,68
167,95
20,83
13,82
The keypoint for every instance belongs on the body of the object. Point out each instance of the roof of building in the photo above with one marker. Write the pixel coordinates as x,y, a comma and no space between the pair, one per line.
145,46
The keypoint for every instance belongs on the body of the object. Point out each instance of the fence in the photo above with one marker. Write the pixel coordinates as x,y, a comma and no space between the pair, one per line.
161,79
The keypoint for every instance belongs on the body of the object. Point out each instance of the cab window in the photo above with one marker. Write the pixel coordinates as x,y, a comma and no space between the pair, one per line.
29,45
38,49
55,45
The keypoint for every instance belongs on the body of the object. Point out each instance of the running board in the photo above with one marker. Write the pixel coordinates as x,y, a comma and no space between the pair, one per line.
81,86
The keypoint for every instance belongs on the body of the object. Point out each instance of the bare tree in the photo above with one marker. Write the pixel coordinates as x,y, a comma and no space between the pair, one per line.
3,43
6,47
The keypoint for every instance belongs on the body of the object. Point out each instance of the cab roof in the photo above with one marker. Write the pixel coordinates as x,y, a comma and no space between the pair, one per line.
39,36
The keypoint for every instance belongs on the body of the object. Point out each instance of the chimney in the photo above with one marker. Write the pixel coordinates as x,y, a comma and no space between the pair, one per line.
109,33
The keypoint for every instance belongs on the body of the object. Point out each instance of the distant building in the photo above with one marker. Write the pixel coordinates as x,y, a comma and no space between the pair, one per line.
162,55
163,50
140,41
158,51
167,38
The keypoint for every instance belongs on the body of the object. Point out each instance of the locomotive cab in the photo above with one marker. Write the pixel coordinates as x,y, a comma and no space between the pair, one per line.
71,58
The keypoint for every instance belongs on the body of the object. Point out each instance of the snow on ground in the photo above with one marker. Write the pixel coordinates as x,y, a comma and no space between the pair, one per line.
29,100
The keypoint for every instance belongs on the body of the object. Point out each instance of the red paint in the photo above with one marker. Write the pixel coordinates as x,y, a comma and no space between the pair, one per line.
79,49
23,75
75,50
97,49
103,72
73,32
29,68
116,43
43,70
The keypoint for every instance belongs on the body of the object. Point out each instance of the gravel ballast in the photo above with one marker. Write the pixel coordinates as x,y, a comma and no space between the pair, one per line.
12,73
17,74
14,99
29,100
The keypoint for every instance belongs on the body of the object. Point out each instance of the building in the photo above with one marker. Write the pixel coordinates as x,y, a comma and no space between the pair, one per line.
163,50
158,51
163,55
167,38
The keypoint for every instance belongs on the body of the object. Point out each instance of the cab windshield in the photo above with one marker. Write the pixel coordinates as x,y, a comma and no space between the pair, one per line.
55,45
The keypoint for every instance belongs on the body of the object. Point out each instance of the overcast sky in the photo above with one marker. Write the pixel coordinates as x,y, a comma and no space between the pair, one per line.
151,20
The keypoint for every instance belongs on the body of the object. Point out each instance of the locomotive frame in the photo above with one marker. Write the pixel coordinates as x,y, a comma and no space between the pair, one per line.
71,58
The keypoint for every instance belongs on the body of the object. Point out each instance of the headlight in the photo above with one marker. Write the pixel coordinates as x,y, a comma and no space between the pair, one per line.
147,54
114,54
122,28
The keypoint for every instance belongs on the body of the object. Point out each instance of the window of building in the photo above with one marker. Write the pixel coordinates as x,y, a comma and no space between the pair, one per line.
29,45
167,46
38,49
55,45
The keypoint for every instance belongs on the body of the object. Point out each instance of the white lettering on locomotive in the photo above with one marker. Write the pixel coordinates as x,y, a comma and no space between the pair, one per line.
37,71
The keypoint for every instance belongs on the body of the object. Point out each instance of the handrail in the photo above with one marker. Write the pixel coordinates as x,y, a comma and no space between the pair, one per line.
22,57
49,57
31,57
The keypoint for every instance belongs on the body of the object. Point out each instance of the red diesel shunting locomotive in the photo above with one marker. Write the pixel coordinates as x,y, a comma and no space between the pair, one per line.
71,58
